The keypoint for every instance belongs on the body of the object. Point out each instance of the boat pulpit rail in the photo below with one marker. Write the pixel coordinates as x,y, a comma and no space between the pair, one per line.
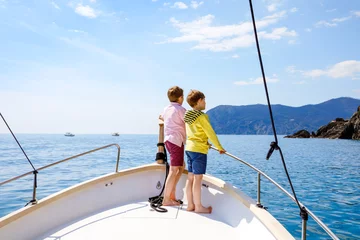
34,201
258,203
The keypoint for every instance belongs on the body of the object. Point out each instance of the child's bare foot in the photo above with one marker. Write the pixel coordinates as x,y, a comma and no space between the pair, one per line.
178,200
170,203
190,208
203,209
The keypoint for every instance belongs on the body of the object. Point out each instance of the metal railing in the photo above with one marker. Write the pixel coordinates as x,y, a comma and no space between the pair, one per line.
258,203
34,201
259,173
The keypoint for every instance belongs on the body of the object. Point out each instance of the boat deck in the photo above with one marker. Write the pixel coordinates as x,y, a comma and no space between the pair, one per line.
139,221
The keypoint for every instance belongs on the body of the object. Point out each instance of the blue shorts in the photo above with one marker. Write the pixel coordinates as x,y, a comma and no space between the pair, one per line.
196,162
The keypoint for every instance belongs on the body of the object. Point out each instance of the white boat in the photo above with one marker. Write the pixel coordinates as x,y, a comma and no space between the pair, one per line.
69,134
115,206
115,134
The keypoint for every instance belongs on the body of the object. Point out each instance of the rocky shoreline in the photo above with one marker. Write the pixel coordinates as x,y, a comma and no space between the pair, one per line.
336,129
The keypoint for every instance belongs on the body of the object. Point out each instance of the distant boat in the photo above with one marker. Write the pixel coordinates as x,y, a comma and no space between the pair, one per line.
115,134
68,134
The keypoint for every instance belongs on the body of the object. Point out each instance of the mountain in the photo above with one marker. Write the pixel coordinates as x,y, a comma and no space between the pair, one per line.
255,119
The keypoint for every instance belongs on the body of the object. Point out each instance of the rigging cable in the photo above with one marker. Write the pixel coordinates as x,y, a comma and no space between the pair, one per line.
274,145
35,172
18,142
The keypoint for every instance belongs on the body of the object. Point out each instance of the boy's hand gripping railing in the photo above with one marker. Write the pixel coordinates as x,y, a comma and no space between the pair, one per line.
34,201
258,203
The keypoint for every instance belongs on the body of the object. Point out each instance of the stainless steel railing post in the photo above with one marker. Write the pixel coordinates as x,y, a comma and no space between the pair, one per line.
118,158
34,201
258,189
303,230
317,220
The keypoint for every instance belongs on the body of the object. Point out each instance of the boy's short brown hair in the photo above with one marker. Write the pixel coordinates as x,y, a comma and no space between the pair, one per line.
174,93
194,96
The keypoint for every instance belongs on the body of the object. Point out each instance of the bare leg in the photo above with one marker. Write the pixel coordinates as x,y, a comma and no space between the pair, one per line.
169,185
189,193
199,208
177,178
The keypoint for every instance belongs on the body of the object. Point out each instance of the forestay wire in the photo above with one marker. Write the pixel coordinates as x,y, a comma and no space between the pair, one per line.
18,142
274,145
35,172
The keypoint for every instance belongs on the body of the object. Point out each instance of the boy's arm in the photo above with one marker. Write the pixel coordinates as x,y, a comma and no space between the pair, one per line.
209,131
161,116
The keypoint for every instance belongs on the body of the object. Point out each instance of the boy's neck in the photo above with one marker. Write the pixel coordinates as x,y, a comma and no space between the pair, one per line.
196,108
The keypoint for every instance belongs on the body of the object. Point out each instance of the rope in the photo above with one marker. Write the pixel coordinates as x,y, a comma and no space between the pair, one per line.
156,201
274,145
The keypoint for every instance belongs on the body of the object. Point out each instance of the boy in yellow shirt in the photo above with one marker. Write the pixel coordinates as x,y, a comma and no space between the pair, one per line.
198,131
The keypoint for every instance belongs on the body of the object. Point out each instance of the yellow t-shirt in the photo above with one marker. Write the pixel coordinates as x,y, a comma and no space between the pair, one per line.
199,131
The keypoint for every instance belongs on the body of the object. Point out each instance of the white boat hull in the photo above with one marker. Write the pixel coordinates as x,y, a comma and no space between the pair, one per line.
115,206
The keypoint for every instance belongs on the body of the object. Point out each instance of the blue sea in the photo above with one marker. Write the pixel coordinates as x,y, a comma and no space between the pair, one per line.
325,173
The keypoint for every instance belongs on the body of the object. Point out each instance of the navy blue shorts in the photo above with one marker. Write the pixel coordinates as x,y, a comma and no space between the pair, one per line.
196,162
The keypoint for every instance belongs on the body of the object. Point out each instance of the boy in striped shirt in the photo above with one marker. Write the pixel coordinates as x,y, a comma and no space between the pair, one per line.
198,131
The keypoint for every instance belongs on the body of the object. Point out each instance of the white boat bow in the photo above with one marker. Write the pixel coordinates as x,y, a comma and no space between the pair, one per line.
115,206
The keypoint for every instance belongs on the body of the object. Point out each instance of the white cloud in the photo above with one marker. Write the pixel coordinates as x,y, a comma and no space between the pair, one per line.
226,37
257,81
195,4
93,1
308,29
292,42
278,33
154,0
325,24
166,4
55,5
235,56
341,19
272,7
332,23
356,91
2,3
350,69
294,10
180,5
85,11
226,44
331,10
291,69
315,73
77,31
356,13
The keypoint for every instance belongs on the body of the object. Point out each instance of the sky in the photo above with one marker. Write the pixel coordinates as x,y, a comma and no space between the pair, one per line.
103,66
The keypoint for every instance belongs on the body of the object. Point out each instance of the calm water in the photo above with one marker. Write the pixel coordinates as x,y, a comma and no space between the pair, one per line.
325,173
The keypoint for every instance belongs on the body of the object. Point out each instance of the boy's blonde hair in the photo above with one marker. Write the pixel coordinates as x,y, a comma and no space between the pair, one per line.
194,96
174,93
